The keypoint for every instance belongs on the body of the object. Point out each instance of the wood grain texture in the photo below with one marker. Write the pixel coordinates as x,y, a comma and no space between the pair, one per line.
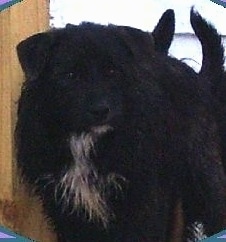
18,210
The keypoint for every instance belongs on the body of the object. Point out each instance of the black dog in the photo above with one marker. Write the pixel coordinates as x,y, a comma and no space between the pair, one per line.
210,77
110,130
212,74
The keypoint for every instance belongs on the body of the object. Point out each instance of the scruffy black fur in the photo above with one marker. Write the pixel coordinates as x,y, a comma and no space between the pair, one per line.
212,82
111,132
212,74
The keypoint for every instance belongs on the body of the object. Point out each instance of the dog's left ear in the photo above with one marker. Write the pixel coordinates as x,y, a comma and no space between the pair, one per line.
164,31
33,53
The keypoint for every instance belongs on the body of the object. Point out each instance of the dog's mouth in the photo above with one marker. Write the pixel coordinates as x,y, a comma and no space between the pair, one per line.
83,145
82,187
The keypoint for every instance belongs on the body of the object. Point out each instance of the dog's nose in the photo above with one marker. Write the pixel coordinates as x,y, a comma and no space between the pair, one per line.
100,112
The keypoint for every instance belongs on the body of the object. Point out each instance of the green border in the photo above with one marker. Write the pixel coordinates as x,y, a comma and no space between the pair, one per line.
215,238
17,239
9,4
223,4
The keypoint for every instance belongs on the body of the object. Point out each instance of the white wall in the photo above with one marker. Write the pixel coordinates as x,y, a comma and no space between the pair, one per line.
187,46
143,14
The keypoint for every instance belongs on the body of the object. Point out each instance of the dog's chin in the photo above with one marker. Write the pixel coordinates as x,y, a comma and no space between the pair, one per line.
98,131
82,186
83,145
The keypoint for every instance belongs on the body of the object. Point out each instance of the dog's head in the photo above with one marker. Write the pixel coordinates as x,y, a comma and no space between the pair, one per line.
77,82
81,72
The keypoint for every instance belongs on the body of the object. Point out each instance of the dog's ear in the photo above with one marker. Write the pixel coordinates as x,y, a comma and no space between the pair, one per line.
33,53
164,31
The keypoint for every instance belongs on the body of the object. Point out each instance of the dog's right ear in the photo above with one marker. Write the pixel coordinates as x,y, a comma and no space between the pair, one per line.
164,31
33,53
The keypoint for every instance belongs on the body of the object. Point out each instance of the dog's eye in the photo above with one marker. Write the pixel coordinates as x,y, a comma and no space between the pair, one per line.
70,75
111,71
66,75
66,79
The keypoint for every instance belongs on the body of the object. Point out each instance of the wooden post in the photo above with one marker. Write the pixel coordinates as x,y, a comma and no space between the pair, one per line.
18,210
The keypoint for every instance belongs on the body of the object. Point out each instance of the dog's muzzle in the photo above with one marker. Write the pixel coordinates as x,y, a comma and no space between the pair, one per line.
81,185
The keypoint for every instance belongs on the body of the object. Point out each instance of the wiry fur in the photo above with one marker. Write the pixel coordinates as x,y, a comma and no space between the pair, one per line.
212,74
212,50
196,232
85,193
210,79
109,131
